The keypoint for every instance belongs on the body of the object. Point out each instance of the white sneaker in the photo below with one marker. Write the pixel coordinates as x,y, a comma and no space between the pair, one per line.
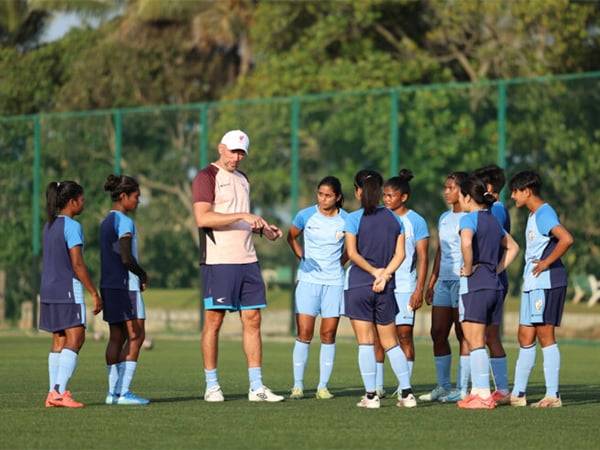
264,394
369,403
437,393
214,394
407,402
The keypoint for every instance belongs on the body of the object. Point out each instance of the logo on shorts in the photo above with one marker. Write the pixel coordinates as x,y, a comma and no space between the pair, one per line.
339,235
538,304
221,300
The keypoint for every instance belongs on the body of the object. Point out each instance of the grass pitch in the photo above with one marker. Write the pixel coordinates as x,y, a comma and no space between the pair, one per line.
171,375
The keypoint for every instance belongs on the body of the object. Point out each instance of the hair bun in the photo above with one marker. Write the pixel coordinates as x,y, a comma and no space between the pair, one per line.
112,181
405,175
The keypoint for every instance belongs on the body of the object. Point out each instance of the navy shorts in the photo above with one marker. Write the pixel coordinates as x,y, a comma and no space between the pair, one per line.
121,305
61,316
542,306
483,306
232,287
361,303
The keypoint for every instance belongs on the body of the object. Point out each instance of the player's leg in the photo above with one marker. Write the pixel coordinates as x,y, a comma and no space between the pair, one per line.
498,360
331,305
74,339
58,342
379,365
116,340
405,320
136,334
527,353
307,307
213,319
365,337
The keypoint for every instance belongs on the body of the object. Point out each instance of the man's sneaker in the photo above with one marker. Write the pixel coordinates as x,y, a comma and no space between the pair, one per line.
435,395
548,402
111,399
518,401
407,402
65,400
297,393
264,394
369,403
323,394
380,392
130,398
453,396
47,403
501,397
214,394
476,402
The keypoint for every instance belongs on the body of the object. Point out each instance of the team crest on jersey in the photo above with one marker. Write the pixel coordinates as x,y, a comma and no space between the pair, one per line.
530,235
538,304
339,235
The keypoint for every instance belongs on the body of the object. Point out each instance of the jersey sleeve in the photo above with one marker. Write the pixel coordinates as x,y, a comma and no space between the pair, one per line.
302,217
420,229
352,223
468,221
73,233
123,225
203,186
546,219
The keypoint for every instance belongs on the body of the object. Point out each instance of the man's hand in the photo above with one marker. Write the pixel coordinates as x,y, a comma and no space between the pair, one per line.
272,232
539,267
256,222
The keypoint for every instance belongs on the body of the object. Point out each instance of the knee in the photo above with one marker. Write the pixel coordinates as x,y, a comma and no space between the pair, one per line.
438,335
251,322
212,325
405,338
305,335
328,336
137,336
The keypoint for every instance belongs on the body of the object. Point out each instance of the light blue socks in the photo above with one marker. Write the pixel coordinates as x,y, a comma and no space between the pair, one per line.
53,362
367,366
523,369
464,373
399,366
326,358
113,378
299,359
500,372
128,371
255,377
442,370
212,378
379,370
551,369
66,366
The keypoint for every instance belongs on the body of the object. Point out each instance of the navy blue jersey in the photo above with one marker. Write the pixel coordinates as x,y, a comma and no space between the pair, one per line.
487,250
114,274
376,237
59,282
500,212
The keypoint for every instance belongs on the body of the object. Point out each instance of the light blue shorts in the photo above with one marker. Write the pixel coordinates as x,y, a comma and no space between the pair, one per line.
314,299
405,316
445,293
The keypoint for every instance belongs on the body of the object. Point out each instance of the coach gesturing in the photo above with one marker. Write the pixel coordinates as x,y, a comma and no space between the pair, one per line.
232,280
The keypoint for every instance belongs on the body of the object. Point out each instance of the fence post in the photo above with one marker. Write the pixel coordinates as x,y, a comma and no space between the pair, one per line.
295,192
203,141
118,119
394,135
35,214
502,130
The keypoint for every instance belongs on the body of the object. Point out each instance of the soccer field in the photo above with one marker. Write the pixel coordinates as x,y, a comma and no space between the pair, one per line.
171,375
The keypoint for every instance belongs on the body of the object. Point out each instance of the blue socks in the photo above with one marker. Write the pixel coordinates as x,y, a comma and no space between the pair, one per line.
525,364
367,365
480,369
379,369
299,359
53,361
442,370
66,366
464,373
551,369
212,378
326,358
399,366
255,377
410,367
128,371
500,372
113,378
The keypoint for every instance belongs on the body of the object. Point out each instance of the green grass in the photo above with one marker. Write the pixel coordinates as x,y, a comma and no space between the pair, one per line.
171,375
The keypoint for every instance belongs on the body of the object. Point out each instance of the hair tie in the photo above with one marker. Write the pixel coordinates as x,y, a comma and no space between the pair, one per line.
57,184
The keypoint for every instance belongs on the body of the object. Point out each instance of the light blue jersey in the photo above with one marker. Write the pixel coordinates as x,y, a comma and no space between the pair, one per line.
323,246
539,244
415,229
451,255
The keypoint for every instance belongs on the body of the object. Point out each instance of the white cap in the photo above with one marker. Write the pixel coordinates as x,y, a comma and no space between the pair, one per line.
236,140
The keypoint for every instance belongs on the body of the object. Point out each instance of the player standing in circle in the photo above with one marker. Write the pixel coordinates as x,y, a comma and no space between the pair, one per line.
64,275
121,282
411,275
375,245
494,179
320,288
487,250
442,294
544,289
229,268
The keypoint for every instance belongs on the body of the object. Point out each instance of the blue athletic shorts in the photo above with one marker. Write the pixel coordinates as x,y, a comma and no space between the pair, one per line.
120,305
542,306
445,293
314,299
233,287
405,316
361,303
61,316
480,306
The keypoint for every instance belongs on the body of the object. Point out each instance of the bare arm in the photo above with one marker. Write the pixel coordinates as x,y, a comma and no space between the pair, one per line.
83,275
382,278
207,218
422,247
435,273
356,257
466,247
510,253
565,240
292,239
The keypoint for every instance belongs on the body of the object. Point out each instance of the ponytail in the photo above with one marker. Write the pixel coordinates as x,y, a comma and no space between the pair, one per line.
401,181
371,184
58,194
477,190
